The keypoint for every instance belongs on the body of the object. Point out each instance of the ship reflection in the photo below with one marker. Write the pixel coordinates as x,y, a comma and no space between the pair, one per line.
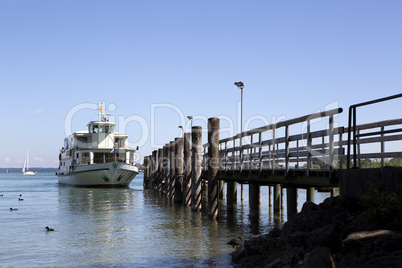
97,220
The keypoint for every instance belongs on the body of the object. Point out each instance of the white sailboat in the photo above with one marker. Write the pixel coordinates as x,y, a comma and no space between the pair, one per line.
25,170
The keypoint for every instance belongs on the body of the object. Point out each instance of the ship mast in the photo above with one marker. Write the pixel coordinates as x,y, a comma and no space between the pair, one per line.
102,112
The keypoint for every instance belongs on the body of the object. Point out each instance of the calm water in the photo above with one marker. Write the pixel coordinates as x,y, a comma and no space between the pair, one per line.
116,227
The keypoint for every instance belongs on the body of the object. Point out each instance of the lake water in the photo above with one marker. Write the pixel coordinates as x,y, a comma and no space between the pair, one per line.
129,227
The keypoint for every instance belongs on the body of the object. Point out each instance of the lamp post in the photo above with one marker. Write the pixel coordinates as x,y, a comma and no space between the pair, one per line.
240,85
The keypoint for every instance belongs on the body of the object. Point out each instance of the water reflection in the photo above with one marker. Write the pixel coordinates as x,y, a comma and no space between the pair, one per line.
145,228
95,222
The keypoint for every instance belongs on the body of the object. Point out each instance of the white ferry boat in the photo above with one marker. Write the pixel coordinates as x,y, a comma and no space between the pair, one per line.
98,157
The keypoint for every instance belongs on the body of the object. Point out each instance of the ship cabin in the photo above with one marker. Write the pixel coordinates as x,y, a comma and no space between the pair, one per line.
99,144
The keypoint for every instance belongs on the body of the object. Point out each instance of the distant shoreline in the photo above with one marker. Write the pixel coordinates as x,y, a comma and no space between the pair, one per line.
34,169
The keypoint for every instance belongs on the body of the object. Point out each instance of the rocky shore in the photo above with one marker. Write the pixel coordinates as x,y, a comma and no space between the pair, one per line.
340,232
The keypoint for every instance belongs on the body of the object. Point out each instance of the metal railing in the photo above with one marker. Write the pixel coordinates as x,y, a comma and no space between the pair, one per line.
277,153
352,128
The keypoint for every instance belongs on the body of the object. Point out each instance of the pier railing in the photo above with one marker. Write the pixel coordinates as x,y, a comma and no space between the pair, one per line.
249,151
354,135
375,136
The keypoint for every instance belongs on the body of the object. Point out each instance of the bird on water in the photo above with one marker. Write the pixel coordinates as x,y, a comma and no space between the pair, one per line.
235,242
11,209
49,229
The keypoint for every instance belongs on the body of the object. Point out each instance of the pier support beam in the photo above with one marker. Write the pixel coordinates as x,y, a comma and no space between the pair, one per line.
196,160
291,196
187,169
213,167
276,198
254,195
178,195
310,194
231,194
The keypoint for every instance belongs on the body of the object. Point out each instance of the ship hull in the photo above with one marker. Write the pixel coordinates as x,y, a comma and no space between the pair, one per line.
110,175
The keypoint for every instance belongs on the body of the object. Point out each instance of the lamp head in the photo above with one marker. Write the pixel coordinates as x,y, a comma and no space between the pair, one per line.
239,84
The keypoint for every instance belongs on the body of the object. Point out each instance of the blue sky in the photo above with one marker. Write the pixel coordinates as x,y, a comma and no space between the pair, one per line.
295,57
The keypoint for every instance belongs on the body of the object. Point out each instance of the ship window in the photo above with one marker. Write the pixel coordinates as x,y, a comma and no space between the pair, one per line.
95,129
121,157
98,157
85,158
82,141
110,157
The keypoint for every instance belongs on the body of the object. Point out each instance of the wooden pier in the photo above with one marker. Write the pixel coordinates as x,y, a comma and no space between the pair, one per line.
309,160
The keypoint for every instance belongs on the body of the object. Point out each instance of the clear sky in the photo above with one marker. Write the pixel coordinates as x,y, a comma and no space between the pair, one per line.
158,61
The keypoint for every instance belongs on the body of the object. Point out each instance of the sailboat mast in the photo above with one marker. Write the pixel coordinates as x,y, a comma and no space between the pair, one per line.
27,161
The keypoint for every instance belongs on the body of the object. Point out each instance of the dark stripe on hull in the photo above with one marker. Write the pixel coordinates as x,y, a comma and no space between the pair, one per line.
94,186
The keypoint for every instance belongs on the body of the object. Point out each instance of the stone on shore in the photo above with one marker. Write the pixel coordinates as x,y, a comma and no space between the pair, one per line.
325,235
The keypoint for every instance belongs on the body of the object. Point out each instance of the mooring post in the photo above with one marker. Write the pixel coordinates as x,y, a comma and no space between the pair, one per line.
160,164
145,172
213,167
178,195
310,194
149,171
291,198
151,174
156,168
187,169
163,168
196,161
166,158
172,169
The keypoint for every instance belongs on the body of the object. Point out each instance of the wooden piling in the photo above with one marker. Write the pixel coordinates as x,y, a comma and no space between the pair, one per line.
172,163
166,161
145,183
178,151
187,169
291,198
276,197
160,164
310,194
254,194
155,167
270,197
231,194
196,160
213,166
